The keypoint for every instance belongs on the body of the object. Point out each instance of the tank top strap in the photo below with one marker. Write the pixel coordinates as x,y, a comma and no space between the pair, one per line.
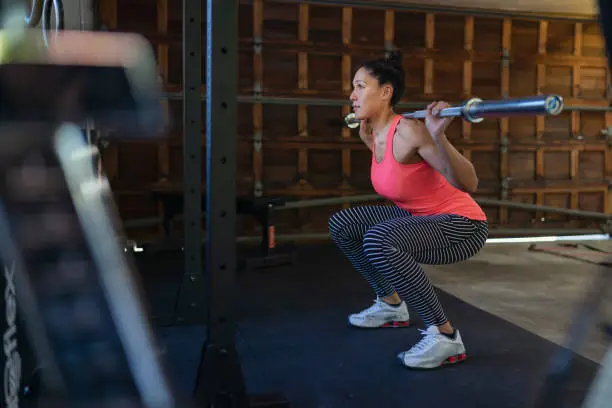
391,133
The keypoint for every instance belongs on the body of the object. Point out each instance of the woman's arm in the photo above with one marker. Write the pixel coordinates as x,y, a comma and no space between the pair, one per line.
442,156
458,169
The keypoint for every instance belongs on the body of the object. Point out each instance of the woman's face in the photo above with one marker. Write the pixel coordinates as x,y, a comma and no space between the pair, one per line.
369,98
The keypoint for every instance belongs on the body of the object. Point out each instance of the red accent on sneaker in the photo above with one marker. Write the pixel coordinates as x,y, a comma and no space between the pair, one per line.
396,324
455,359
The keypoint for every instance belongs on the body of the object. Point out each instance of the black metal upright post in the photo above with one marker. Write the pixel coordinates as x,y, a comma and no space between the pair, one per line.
191,301
220,381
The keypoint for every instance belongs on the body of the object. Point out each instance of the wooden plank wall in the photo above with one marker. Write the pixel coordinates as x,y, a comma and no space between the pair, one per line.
305,50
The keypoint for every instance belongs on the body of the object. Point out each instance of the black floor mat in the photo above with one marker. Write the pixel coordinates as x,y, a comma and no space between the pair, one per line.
293,338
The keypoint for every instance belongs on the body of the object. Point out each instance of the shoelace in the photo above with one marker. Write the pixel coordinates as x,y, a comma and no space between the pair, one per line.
428,339
373,308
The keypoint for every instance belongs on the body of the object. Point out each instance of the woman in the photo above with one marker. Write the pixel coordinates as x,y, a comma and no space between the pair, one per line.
434,220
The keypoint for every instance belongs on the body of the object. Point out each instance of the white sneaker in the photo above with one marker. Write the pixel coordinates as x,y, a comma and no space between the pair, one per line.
434,350
381,314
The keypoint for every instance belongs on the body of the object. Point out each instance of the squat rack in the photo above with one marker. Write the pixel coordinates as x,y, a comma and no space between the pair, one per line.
219,382
219,371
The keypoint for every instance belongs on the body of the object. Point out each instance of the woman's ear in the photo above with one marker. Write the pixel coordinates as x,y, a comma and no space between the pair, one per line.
387,92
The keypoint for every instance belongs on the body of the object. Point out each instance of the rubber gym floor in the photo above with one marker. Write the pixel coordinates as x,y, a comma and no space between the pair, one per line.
513,308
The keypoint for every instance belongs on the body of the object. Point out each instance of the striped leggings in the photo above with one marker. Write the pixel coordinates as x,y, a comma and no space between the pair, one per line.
387,244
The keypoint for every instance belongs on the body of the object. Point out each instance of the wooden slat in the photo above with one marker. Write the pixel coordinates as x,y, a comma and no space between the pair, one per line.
347,28
575,116
468,46
608,82
303,85
109,14
303,56
429,44
504,124
608,165
347,87
540,120
389,28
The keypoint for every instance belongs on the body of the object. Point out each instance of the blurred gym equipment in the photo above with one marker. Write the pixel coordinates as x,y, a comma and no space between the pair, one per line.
60,235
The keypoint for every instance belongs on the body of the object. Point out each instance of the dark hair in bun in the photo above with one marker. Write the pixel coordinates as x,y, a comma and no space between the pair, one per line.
395,58
389,70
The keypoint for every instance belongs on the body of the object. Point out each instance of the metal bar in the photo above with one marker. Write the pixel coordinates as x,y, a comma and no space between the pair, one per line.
191,299
153,246
543,208
289,100
587,108
329,201
220,381
482,201
399,6
475,110
375,197
495,232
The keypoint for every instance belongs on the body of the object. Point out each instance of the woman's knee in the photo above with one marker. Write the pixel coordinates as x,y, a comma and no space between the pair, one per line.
375,240
352,223
338,224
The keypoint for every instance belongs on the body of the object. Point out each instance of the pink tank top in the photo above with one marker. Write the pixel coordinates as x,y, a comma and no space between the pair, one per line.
419,188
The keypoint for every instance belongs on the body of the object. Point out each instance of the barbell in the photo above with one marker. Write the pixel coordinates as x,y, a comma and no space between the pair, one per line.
475,110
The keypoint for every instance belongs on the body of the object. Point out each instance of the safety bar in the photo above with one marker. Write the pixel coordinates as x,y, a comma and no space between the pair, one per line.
482,201
283,100
319,202
505,235
577,234
593,215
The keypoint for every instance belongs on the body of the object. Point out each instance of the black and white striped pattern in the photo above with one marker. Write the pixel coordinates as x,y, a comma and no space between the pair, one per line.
387,244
